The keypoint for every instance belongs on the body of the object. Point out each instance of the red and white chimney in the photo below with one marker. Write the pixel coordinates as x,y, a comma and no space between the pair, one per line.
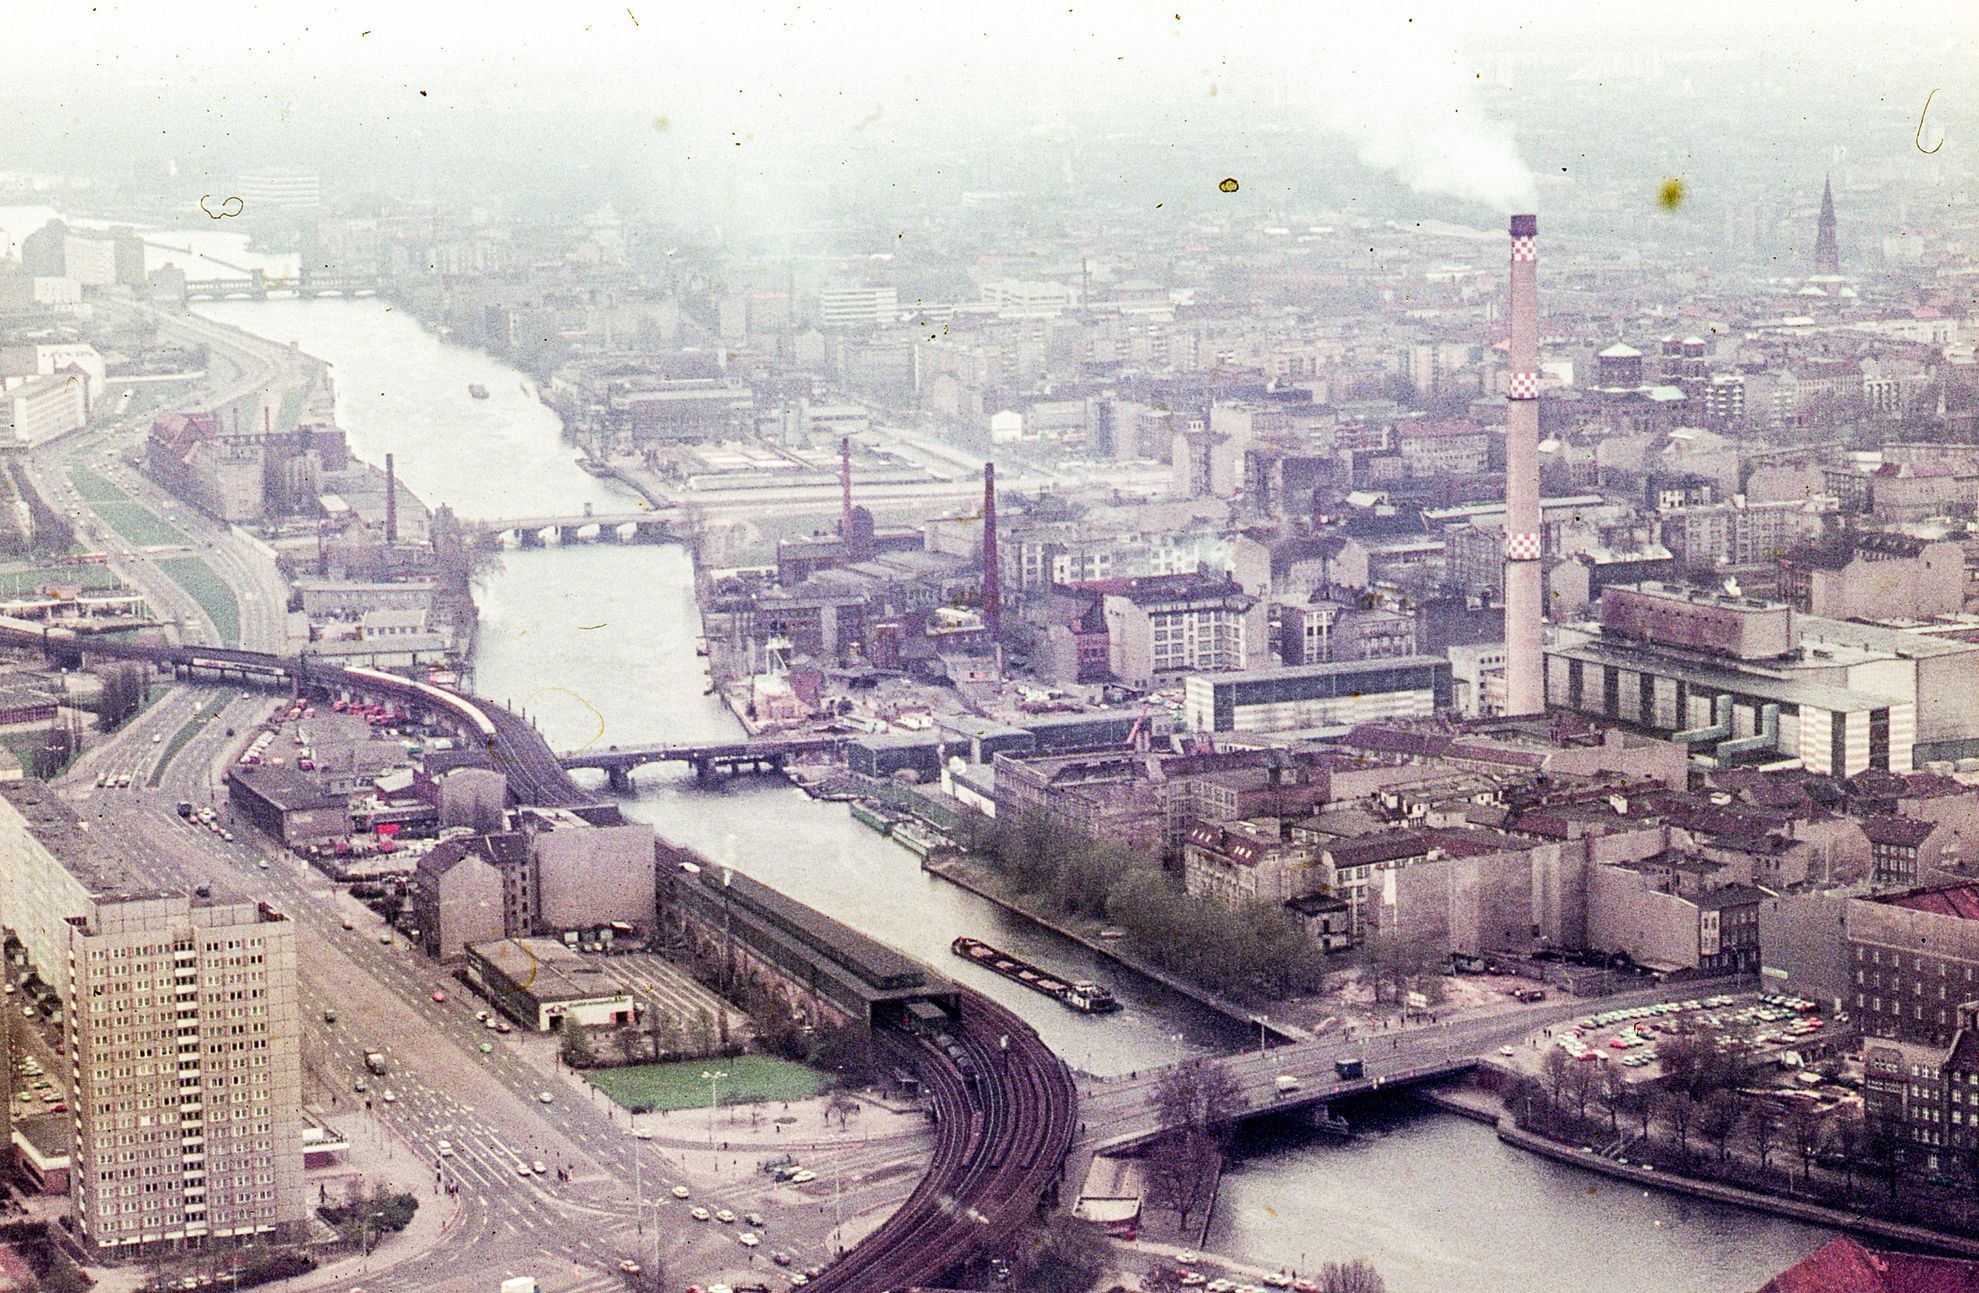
1525,682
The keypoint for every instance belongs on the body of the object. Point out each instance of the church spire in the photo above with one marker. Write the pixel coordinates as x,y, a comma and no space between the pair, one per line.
1827,257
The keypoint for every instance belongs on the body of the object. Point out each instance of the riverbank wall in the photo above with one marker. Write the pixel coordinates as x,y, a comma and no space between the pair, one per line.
1893,1232
953,871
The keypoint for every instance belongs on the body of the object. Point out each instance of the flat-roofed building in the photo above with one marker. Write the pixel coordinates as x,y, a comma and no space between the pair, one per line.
1913,957
1339,694
183,1031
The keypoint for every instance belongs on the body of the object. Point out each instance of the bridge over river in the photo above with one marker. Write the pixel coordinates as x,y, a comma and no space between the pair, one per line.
761,755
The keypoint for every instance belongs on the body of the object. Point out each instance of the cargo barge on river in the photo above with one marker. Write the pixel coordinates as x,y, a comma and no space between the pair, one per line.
1081,995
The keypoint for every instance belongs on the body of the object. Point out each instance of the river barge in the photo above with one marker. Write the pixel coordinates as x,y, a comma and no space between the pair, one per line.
868,813
1082,995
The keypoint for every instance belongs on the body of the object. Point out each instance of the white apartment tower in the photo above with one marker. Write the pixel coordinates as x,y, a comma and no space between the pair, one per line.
183,1035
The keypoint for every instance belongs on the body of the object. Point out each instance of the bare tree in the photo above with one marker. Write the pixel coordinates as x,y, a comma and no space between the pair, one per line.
1611,1095
1680,1114
1356,1276
1581,1084
1805,1127
1198,1096
1553,1070
1718,1119
1182,1169
1763,1124
1845,1142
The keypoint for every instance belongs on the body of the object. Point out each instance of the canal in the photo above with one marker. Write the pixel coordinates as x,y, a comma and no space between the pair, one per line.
596,643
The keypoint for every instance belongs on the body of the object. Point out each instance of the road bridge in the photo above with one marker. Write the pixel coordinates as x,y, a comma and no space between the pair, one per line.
649,526
1122,1113
767,754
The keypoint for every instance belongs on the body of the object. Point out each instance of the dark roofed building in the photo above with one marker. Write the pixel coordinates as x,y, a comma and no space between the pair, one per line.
286,804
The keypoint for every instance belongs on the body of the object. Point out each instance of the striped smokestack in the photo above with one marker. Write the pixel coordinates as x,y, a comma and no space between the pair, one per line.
1525,688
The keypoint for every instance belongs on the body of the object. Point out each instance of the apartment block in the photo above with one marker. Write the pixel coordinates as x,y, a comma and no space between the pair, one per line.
183,1034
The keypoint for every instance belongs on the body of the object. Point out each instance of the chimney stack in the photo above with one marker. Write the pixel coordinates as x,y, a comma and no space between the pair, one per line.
992,586
1525,689
391,500
845,488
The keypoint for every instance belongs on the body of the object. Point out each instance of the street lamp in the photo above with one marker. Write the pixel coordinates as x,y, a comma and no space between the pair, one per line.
1259,1020
1177,1039
714,1082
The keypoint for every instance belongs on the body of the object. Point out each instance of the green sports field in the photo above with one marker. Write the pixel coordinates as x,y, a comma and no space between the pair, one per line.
751,1079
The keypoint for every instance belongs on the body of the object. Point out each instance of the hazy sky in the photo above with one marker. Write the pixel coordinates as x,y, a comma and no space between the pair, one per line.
789,91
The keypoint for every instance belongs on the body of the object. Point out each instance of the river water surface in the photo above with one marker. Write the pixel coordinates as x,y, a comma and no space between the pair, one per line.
596,643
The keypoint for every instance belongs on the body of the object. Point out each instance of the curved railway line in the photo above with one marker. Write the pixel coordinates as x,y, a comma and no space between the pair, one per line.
1005,1105
1005,1122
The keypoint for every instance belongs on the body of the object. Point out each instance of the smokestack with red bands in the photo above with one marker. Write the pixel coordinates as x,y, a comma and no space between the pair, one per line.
1525,688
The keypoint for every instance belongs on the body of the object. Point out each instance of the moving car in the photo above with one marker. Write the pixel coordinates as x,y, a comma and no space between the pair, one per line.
680,1192
445,1149
726,1217
542,1168
802,1176
699,1214
748,1239
546,1097
439,996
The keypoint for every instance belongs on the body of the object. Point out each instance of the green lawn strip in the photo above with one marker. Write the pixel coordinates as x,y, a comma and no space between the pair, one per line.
94,488
750,1079
207,713
132,520
210,591
25,583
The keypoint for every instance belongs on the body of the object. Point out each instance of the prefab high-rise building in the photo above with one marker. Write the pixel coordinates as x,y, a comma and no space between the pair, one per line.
183,1028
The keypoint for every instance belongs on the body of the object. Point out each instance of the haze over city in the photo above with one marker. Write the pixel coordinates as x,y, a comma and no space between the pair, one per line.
1060,648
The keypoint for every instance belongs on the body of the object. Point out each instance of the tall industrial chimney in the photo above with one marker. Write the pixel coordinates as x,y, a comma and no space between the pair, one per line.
845,488
1525,686
992,586
391,500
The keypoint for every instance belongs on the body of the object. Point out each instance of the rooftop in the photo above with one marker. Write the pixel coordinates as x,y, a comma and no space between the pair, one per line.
1956,900
66,837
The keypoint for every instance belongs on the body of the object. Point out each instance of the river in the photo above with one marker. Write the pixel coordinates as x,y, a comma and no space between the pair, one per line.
596,643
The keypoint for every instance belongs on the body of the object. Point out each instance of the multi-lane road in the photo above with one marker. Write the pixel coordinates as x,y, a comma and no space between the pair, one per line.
571,1225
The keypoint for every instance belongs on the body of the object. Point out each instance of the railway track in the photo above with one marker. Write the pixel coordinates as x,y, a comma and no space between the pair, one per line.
1003,1135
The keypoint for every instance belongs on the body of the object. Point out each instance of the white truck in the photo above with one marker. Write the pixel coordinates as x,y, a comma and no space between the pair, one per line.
1286,1084
521,1284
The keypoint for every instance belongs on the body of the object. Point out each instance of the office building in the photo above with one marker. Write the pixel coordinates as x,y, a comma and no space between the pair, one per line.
1336,695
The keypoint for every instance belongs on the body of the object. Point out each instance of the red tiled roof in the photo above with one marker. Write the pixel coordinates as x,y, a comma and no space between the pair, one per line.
1845,1266
1958,900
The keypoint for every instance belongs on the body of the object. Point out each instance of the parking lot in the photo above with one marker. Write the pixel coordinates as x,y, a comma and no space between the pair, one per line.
1771,1027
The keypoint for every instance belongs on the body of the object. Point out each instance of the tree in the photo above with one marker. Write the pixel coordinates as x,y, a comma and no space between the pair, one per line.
1066,1256
1718,1120
576,1049
1611,1095
1182,1172
841,1104
1883,1151
1680,1114
628,1040
1845,1142
1581,1084
1553,1070
1804,1130
701,1033
1763,1122
1356,1276
1198,1096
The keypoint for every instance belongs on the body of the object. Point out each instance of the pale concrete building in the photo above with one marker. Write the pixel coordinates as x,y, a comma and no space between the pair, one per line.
183,1027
